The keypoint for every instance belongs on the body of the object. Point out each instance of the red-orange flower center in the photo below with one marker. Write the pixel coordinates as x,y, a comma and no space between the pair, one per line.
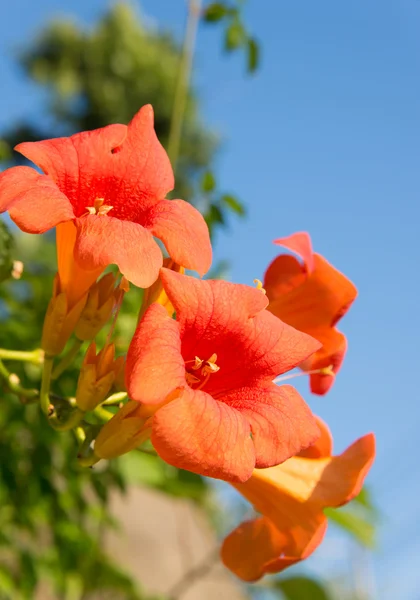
198,373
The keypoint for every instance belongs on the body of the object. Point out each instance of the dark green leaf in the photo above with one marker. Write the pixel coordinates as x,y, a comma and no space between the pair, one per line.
359,527
302,588
215,12
253,55
234,204
6,247
214,216
208,182
235,36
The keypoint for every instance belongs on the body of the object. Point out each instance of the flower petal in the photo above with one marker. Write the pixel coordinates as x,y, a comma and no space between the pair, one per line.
282,275
102,240
229,320
184,232
320,301
334,347
305,486
199,434
258,547
324,444
155,366
299,243
125,165
281,422
34,202
82,165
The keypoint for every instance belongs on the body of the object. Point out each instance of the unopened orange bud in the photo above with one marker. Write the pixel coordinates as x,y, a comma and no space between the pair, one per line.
119,383
156,293
127,430
60,321
97,376
100,302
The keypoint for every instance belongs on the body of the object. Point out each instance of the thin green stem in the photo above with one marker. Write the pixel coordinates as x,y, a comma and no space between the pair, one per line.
80,435
13,384
44,398
102,414
34,356
67,359
115,399
183,81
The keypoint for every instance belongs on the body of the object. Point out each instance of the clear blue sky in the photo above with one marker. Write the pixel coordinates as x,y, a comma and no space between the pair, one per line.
326,137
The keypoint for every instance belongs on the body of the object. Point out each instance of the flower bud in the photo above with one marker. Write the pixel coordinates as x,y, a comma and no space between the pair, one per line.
119,383
100,302
127,430
156,293
60,321
97,376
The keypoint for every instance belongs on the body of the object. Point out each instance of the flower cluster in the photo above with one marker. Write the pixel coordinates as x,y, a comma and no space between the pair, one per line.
200,378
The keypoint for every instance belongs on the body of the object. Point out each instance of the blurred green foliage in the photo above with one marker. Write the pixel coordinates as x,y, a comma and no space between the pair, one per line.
236,35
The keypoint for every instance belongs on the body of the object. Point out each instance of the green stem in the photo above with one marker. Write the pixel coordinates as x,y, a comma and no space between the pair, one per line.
34,356
12,383
102,414
115,399
183,81
44,398
67,359
88,461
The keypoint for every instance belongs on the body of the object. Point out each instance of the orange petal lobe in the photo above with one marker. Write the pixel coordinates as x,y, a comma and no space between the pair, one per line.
281,422
184,232
299,243
324,444
104,240
257,547
200,434
34,202
155,366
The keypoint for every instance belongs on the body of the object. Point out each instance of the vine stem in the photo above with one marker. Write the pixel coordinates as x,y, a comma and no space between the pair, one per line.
67,359
12,383
44,398
183,81
34,356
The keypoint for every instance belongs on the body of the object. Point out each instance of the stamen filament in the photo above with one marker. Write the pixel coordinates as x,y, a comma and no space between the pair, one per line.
323,371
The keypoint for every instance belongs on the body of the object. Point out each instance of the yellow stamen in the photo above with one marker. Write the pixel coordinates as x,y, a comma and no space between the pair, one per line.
99,208
323,371
208,369
259,285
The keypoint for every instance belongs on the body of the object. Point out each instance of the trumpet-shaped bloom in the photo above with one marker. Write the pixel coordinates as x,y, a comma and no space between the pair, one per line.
291,498
207,379
111,184
312,296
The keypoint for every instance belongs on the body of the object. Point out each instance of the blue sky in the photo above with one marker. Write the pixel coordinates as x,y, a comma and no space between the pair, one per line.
324,138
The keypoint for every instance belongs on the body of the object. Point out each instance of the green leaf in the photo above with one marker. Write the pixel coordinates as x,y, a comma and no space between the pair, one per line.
253,55
208,182
235,36
359,527
215,12
302,588
6,247
364,499
234,204
214,216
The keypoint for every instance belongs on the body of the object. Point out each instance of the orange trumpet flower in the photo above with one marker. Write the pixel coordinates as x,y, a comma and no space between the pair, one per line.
291,498
312,296
105,190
